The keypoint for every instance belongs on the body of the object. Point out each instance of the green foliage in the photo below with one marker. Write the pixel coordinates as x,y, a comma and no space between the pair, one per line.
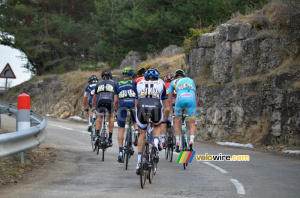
69,33
190,42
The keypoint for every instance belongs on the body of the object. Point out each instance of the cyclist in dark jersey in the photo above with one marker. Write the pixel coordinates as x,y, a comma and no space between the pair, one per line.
103,100
124,100
88,98
151,98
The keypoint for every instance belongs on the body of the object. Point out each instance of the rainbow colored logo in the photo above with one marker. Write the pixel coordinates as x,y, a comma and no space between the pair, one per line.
185,157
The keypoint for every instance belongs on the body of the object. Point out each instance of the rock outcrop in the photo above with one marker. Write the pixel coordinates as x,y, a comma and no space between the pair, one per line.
133,59
245,102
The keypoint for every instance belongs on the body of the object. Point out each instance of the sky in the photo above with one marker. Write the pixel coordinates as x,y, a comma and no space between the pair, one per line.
12,56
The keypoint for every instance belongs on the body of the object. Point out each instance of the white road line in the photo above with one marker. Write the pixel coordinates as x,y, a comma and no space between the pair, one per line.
216,167
61,127
239,187
85,132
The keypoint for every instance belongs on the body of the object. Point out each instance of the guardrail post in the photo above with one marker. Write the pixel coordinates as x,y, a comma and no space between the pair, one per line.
23,115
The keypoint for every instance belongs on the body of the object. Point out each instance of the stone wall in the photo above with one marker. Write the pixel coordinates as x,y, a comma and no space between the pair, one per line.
264,111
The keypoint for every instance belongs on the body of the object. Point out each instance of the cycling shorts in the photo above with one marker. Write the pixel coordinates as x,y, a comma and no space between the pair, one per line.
149,106
122,113
188,101
105,105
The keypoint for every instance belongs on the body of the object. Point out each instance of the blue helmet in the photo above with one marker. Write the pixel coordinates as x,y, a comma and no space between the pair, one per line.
151,74
179,71
93,79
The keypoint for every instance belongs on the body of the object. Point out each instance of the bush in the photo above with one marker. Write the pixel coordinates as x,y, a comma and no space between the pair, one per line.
190,42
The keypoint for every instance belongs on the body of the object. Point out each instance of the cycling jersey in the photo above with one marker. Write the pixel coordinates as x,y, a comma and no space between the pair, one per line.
167,84
186,96
126,92
89,91
105,96
139,79
150,95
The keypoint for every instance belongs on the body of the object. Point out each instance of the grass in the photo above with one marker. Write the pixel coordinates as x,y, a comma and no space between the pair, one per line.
175,62
297,85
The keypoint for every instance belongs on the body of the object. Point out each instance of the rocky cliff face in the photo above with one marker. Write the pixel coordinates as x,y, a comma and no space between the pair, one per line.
242,98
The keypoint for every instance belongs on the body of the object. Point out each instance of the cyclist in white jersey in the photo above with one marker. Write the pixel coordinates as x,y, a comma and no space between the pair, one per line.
150,98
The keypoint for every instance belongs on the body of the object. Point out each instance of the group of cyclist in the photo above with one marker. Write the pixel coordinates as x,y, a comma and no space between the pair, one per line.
141,95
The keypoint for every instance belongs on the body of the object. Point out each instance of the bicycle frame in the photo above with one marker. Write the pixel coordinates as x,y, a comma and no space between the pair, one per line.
183,133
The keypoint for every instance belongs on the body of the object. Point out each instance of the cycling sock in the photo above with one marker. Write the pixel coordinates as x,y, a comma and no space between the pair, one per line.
110,135
139,157
155,141
97,132
163,138
90,121
177,139
120,149
192,139
136,131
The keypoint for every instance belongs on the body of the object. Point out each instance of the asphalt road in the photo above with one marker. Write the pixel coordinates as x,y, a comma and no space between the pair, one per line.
79,172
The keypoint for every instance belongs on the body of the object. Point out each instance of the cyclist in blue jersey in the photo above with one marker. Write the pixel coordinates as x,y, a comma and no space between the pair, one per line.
88,98
124,99
187,98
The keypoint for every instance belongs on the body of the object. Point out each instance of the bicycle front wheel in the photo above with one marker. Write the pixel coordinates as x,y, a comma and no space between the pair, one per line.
144,164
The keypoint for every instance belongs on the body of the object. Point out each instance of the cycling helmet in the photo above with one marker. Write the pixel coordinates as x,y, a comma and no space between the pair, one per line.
179,71
155,69
168,78
141,71
106,75
151,74
128,71
93,79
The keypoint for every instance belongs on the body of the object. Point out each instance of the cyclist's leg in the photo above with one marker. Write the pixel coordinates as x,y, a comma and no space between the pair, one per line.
90,113
122,114
163,129
192,113
157,118
177,121
142,124
99,121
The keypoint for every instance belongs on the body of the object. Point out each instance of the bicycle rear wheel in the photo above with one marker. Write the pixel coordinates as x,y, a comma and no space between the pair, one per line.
171,145
126,150
144,164
167,147
183,147
103,142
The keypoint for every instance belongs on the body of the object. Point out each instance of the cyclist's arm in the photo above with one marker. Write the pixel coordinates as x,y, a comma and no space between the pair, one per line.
166,108
94,101
197,99
85,99
136,102
116,101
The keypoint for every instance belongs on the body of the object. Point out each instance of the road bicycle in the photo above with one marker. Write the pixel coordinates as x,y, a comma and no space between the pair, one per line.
148,165
183,136
127,148
170,142
102,142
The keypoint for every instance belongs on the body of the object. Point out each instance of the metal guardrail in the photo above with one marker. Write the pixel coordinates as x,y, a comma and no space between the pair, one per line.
19,141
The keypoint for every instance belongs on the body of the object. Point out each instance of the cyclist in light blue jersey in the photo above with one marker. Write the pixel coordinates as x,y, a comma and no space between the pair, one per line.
187,98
